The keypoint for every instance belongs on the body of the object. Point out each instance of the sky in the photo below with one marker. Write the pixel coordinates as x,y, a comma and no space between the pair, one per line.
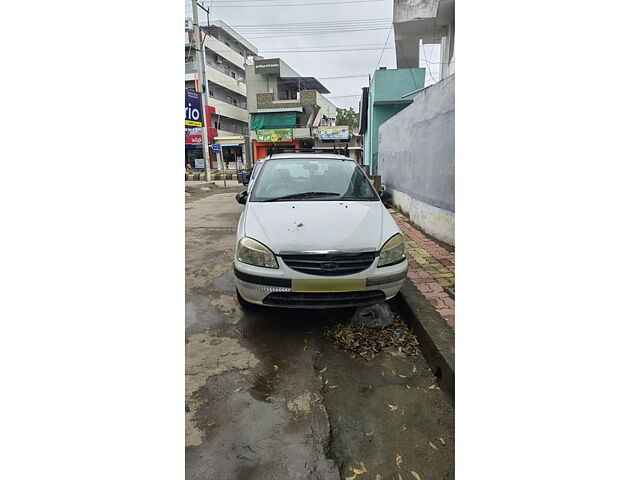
345,92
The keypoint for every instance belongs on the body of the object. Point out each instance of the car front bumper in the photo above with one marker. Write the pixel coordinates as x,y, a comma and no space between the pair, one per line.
287,288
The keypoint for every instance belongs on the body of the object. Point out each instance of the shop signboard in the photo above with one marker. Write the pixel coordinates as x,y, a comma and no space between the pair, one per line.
217,148
192,109
333,133
199,162
275,135
267,67
192,135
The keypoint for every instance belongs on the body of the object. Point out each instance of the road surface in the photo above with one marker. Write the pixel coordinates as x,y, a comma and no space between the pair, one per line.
270,396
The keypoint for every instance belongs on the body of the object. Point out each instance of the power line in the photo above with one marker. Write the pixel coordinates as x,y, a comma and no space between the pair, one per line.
383,49
332,22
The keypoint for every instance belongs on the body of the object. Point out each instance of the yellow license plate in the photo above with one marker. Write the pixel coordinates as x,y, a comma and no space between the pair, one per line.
328,285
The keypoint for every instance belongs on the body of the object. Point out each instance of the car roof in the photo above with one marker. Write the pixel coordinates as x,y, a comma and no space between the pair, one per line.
310,156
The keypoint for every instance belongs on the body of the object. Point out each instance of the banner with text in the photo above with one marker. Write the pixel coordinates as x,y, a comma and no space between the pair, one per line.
333,133
275,135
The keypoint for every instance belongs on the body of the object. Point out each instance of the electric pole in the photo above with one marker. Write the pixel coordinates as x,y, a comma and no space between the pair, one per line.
201,85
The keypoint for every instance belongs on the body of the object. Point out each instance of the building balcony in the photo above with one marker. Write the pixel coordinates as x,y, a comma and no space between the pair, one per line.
266,101
231,111
224,51
217,77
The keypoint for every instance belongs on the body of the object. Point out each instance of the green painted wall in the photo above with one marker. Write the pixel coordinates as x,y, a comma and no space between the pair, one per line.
385,101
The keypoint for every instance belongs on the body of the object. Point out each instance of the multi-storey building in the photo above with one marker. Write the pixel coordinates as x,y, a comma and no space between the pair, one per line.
286,108
226,53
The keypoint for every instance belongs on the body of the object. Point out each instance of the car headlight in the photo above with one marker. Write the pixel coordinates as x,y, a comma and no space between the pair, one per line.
392,252
253,252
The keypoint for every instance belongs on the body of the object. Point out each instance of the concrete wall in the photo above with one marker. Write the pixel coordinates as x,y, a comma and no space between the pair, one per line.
416,155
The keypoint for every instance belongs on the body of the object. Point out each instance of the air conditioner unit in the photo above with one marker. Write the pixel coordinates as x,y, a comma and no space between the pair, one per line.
218,60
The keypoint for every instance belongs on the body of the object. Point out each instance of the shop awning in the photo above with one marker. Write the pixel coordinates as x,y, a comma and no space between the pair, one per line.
261,121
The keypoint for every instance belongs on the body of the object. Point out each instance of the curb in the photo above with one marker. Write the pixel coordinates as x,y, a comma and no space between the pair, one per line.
437,340
217,176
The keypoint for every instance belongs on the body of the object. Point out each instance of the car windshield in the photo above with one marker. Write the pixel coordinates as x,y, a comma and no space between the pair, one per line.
310,179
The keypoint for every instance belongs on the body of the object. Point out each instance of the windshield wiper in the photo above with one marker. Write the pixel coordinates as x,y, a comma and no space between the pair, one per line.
303,195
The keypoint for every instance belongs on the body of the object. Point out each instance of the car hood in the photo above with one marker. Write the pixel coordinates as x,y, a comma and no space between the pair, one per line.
318,225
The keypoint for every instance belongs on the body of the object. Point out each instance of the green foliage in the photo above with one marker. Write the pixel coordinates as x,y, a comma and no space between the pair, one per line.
346,116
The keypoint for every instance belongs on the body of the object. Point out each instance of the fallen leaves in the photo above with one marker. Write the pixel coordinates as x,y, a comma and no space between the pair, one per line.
415,475
224,354
402,376
275,367
237,390
393,407
378,477
368,434
333,386
442,441
398,460
367,342
350,478
433,446
414,369
323,370
434,387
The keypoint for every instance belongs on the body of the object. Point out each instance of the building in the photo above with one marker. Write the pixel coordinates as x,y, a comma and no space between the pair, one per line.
416,155
288,109
426,22
226,53
389,92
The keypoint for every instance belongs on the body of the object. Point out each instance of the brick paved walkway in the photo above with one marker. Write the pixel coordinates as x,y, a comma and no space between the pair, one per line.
431,268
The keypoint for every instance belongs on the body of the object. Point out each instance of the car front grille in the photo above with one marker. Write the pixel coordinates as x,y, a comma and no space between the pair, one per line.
324,300
330,264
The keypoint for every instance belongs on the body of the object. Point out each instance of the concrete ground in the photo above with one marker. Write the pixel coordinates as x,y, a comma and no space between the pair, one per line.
269,396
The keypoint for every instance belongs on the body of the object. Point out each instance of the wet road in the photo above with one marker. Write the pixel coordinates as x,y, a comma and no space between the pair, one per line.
268,396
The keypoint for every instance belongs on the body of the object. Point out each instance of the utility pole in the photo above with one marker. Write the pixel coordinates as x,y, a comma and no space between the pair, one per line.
202,87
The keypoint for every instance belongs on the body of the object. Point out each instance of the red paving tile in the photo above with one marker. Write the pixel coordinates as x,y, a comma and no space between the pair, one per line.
421,278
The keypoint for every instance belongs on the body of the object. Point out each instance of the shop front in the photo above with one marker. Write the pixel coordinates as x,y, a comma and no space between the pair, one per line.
193,153
265,138
234,153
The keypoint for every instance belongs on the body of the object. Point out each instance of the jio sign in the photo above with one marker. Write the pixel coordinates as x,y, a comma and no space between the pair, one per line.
192,109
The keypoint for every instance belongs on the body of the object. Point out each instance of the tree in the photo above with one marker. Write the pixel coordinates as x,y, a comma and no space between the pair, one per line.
347,117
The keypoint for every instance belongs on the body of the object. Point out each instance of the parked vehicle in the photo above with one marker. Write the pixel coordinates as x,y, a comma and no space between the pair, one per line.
315,234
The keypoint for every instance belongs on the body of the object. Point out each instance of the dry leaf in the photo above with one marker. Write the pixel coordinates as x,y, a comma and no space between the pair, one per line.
305,347
275,367
402,376
326,381
414,369
415,475
433,446
398,459
323,369
393,372
368,434
332,386
408,386
378,477
393,407
358,471
442,441
404,428
363,467
238,389
204,358
224,354
434,387
382,373
399,477
350,478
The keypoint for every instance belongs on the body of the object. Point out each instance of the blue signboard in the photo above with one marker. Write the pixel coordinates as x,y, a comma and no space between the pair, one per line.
192,109
217,148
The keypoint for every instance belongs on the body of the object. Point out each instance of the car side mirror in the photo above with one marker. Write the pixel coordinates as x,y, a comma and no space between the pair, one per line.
385,196
246,176
242,197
